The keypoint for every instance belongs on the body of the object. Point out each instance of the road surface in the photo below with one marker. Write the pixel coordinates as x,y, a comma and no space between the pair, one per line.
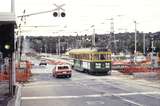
88,90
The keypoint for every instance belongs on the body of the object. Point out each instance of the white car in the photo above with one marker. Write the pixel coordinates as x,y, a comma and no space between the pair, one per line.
62,70
43,62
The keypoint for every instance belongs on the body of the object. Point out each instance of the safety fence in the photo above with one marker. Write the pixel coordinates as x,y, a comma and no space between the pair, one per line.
134,67
3,77
56,62
5,66
23,71
137,69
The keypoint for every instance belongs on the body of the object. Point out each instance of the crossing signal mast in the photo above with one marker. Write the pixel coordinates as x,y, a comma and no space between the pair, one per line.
57,12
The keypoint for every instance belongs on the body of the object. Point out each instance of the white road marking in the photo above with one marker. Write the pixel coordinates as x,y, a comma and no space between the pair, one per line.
137,93
130,101
58,97
94,102
151,95
85,96
54,85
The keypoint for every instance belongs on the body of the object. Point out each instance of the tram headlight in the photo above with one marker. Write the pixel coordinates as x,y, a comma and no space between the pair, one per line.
98,65
107,65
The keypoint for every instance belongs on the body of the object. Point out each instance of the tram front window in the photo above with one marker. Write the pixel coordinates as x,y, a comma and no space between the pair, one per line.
102,57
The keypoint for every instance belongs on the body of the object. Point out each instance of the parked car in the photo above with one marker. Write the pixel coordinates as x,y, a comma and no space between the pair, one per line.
43,62
62,70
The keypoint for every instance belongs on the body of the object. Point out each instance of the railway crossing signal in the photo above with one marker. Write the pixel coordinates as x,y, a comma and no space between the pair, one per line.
59,11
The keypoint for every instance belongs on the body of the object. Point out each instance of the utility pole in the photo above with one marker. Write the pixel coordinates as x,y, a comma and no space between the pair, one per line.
93,36
152,46
152,53
112,33
45,48
144,43
135,45
59,46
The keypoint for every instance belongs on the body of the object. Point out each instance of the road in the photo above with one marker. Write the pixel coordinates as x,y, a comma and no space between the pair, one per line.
88,90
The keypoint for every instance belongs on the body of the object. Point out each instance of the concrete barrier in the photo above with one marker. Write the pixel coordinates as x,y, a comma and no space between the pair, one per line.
18,95
148,75
16,101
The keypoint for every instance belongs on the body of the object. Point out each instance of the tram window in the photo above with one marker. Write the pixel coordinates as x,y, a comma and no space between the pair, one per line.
90,57
93,57
78,56
109,57
96,57
102,56
87,56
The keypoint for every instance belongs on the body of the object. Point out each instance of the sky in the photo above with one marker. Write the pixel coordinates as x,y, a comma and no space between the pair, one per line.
82,14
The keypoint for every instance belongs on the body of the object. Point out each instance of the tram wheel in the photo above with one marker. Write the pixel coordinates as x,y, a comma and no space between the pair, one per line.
109,73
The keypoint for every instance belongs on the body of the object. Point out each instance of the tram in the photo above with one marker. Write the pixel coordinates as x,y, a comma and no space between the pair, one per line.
92,60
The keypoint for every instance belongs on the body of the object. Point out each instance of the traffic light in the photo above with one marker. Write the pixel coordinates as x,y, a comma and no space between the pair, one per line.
7,39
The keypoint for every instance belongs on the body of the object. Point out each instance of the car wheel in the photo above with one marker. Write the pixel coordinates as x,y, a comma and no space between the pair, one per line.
69,76
55,76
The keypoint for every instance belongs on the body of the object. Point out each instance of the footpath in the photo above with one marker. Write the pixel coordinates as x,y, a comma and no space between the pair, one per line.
5,98
4,93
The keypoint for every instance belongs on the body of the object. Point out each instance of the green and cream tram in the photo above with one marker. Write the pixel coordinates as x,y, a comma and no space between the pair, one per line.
92,61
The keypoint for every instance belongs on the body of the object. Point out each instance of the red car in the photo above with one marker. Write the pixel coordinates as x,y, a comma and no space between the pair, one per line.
62,70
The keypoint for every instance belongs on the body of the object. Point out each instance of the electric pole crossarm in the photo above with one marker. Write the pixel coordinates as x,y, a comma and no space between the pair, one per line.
36,13
58,7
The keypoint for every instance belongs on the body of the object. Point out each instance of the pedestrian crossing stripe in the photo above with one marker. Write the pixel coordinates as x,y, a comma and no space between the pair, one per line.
86,96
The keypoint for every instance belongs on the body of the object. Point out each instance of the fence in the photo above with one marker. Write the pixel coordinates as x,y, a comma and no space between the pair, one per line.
23,71
137,69
5,69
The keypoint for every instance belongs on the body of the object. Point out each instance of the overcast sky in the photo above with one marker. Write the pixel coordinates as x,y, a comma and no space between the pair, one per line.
82,14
